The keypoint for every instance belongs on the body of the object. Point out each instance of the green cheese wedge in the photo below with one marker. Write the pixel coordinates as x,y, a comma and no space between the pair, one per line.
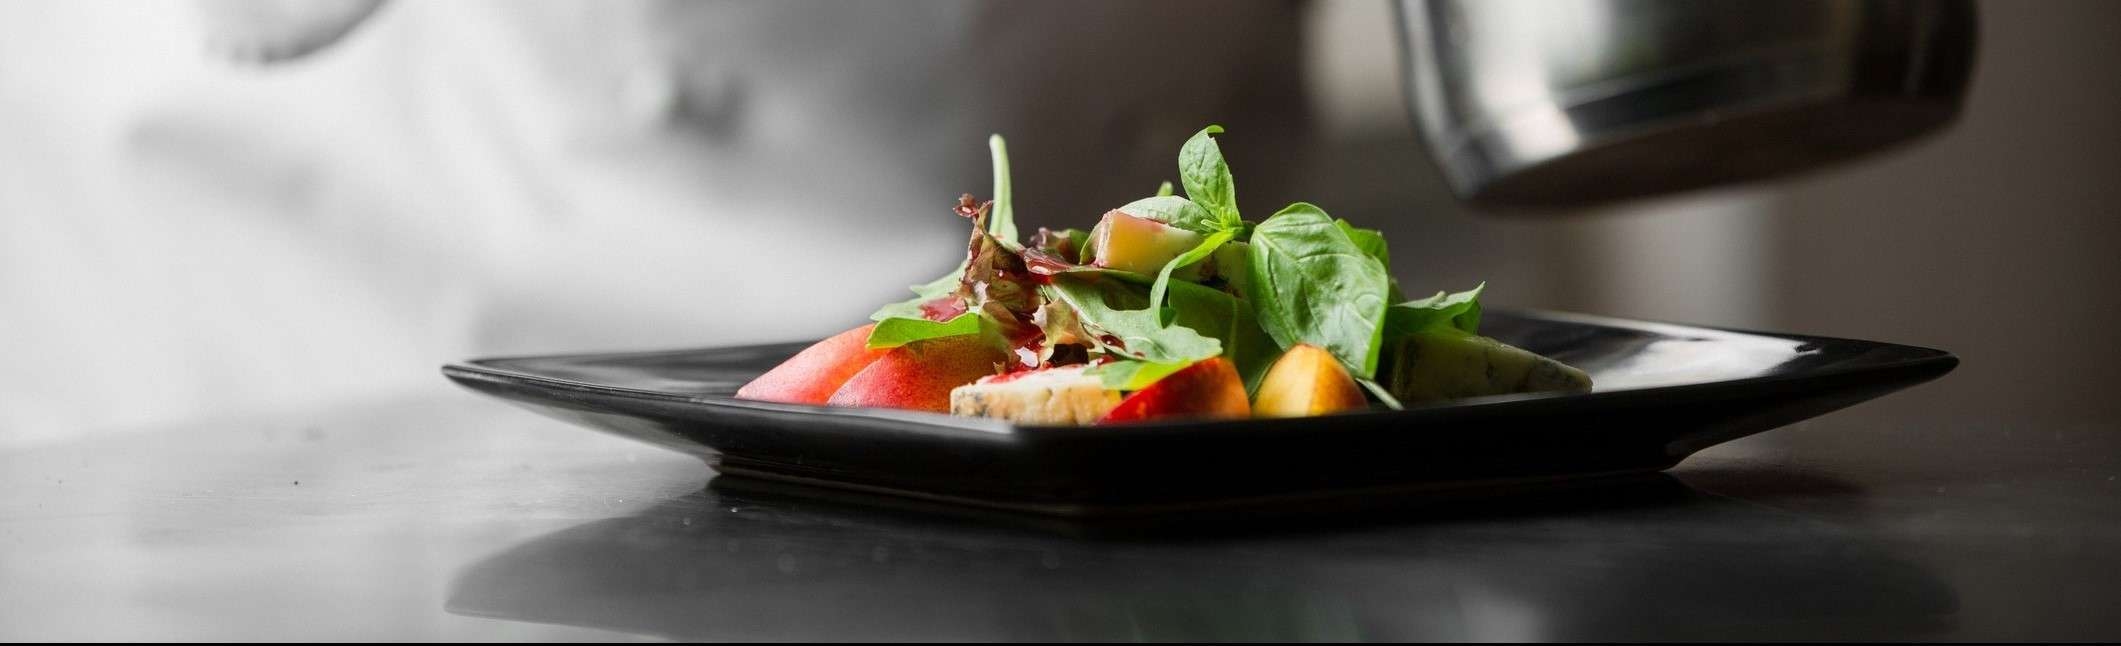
1444,363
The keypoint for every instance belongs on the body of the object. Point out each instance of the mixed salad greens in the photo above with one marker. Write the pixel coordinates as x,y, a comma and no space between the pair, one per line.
1169,281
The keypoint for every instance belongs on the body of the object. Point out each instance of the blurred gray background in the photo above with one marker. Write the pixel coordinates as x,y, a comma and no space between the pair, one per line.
186,233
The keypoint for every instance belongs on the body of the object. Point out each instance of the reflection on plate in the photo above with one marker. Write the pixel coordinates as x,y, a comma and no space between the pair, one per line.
1664,391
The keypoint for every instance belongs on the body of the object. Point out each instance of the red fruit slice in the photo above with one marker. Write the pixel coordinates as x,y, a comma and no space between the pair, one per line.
1209,388
811,376
920,375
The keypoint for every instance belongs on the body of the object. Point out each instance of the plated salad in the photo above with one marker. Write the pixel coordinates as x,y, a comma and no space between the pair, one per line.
1169,306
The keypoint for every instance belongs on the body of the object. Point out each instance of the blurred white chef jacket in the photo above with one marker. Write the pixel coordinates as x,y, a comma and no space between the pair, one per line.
183,237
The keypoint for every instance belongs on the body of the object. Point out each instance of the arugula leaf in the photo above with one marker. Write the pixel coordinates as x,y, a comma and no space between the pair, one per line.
1230,322
1312,284
1175,211
897,331
1164,189
1459,310
1196,254
1120,310
924,292
1002,224
1134,375
1207,177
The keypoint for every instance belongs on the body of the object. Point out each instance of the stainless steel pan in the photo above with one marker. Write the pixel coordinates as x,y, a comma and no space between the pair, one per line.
1574,102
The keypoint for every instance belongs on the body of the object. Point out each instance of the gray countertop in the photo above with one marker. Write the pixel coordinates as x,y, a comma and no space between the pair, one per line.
447,517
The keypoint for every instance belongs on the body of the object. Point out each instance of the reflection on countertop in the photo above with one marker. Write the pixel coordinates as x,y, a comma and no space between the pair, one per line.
1640,558
447,517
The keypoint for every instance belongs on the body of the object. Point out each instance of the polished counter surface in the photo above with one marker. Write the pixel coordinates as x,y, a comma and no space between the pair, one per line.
448,517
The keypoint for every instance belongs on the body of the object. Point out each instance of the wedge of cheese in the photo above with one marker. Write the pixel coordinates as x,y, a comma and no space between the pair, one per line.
1050,397
1442,364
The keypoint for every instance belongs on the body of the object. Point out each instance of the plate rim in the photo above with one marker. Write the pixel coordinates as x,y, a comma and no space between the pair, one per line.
1926,364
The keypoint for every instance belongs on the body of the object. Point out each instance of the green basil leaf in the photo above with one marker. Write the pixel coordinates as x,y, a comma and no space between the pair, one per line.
1311,284
1002,223
895,332
1459,310
1120,310
1134,375
1164,189
1175,211
1230,321
1206,176
1196,254
1371,241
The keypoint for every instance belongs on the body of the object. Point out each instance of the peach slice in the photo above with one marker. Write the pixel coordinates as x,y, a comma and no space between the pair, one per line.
920,375
1208,388
812,375
1307,381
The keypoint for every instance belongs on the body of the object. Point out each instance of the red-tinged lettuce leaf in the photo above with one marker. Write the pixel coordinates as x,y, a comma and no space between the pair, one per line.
1065,243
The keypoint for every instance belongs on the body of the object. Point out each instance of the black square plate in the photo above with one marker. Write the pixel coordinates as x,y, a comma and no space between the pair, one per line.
1662,392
